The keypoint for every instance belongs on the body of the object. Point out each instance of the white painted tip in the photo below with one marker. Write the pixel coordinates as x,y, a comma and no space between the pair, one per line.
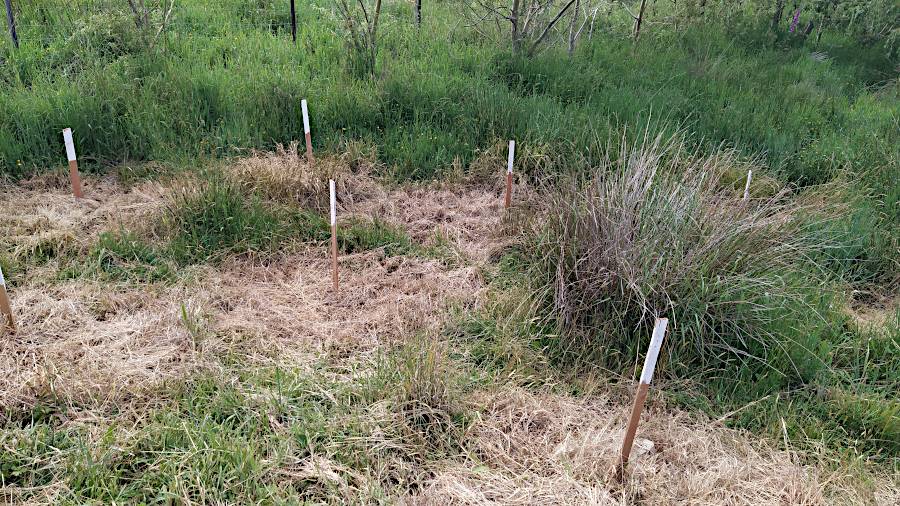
2,280
659,332
512,155
747,186
333,205
305,116
70,144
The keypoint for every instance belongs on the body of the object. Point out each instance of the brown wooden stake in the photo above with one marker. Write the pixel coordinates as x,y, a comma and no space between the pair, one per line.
5,307
633,421
73,163
509,177
309,153
508,201
659,332
334,262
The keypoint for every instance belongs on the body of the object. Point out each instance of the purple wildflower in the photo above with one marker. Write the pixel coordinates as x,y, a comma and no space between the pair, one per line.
795,21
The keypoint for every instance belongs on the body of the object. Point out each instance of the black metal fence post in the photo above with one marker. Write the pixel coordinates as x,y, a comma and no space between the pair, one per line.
12,23
293,21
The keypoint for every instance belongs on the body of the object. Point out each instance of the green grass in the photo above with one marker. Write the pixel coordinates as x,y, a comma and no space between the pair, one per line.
123,255
217,218
242,435
845,410
226,78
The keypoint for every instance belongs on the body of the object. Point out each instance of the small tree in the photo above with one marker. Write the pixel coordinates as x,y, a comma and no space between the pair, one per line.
361,25
533,24
151,19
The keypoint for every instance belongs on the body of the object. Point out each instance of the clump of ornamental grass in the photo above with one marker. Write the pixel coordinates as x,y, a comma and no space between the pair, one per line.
657,231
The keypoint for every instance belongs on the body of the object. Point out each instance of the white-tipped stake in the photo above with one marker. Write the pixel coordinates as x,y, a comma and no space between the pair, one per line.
747,186
306,132
509,177
73,162
659,332
334,265
5,308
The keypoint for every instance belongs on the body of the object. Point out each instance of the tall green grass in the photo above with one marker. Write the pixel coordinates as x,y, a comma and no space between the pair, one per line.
226,77
657,231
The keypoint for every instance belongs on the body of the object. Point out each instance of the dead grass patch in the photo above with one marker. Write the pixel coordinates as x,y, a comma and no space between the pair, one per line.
290,302
86,345
45,219
286,176
542,449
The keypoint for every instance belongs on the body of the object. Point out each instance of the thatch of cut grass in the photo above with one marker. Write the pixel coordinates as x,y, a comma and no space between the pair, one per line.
539,449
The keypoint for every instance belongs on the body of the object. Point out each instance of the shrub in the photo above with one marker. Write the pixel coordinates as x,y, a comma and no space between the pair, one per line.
655,232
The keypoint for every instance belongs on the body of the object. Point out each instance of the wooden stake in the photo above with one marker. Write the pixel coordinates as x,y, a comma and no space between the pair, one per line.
659,332
334,263
747,186
309,154
5,308
73,163
509,176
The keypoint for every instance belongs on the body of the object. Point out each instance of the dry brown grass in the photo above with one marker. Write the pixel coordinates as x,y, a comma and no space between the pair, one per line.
286,176
42,214
550,449
86,345
99,348
93,346
290,304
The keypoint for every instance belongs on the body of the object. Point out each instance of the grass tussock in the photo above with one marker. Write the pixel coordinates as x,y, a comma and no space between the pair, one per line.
286,176
656,232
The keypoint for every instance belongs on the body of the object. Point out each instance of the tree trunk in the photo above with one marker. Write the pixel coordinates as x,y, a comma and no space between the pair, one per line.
11,21
293,21
373,32
514,21
418,13
572,28
779,11
640,18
